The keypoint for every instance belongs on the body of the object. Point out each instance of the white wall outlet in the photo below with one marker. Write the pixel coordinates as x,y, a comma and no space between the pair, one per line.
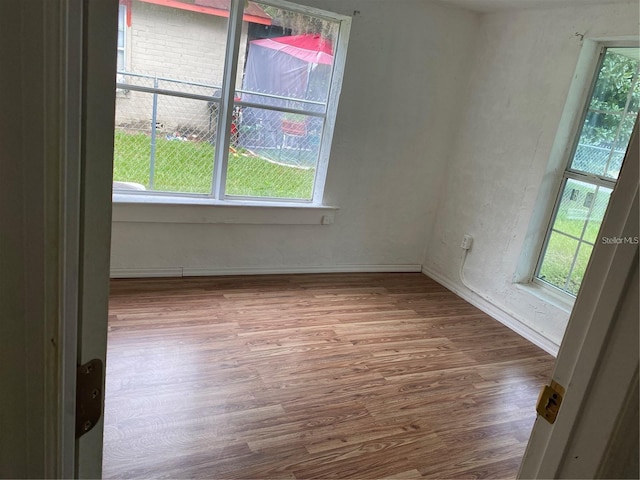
326,219
467,241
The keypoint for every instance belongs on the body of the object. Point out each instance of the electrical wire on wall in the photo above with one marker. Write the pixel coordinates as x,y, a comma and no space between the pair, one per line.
466,245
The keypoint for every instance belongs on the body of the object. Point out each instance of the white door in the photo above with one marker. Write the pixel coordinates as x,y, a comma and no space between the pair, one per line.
87,55
595,434
98,101
57,109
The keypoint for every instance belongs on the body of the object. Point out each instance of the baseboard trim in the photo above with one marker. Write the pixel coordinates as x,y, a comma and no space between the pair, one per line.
496,313
216,271
146,272
205,271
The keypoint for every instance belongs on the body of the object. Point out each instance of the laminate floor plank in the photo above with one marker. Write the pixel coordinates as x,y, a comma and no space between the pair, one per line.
367,375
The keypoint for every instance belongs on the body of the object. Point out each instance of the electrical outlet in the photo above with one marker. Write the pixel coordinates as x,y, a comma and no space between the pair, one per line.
326,220
467,241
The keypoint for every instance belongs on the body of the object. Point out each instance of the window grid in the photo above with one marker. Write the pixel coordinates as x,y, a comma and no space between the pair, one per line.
580,240
606,180
228,115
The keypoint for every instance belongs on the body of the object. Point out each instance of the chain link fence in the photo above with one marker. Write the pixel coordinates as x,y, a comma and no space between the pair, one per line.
279,153
603,161
165,140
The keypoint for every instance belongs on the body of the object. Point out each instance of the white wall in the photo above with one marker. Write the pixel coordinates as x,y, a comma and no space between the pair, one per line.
518,85
407,63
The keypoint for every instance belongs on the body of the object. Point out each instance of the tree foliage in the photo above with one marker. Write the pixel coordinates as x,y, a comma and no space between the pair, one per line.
301,24
611,96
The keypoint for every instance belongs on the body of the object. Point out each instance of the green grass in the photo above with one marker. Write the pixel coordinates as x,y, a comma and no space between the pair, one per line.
558,259
187,167
570,220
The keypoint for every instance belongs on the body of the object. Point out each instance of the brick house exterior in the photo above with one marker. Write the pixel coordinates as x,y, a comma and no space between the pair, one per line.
163,39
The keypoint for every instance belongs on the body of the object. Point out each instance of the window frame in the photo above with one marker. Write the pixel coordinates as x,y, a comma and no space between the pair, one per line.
122,15
227,102
567,173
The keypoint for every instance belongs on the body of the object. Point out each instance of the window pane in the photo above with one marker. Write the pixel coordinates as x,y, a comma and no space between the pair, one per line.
595,143
277,155
558,258
291,58
572,213
120,38
120,62
177,43
615,80
611,115
620,148
288,68
174,155
122,13
600,204
584,254
166,142
634,106
580,213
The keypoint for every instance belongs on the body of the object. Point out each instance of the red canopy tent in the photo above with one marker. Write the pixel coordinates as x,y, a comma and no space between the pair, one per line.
311,48
288,69
297,66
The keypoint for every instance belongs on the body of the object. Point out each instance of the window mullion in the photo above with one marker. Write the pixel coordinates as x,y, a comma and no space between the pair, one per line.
578,239
223,135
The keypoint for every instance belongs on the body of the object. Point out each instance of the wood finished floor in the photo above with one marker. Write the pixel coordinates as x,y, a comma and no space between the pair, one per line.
313,376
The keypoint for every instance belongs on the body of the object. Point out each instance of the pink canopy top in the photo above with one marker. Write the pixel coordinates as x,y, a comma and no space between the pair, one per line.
311,48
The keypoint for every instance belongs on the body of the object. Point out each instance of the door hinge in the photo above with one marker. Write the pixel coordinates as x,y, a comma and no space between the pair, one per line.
549,401
89,381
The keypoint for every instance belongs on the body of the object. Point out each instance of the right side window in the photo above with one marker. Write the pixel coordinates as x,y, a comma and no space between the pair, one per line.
592,170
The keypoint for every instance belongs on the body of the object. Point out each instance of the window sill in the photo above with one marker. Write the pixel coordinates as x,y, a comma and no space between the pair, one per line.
556,298
134,208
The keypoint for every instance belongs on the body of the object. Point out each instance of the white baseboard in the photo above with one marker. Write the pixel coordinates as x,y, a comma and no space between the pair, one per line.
496,312
146,272
217,271
213,271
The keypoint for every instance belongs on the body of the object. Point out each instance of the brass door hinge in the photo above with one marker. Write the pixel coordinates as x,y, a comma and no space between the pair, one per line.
549,401
88,396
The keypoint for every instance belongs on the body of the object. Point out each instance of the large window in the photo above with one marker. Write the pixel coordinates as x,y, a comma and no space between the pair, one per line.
592,171
227,99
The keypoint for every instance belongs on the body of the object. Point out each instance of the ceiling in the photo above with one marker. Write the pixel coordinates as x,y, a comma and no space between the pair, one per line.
486,6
